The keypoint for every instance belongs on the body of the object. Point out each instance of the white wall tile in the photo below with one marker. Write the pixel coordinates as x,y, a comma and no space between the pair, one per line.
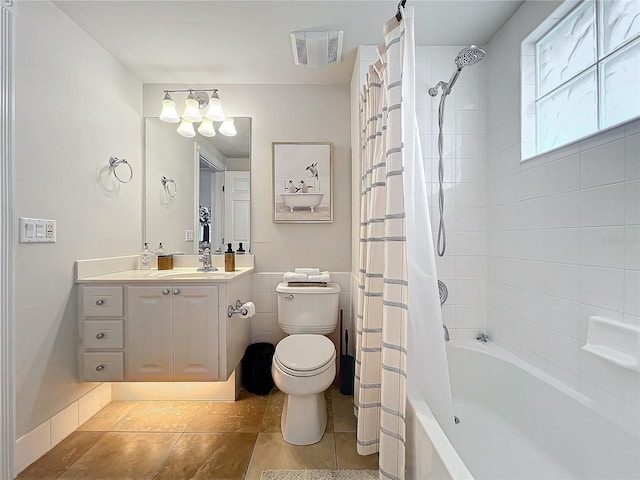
602,287
64,423
632,202
568,378
632,247
89,404
563,351
632,292
262,283
533,337
587,311
468,316
563,210
263,302
602,246
563,175
603,164
534,213
632,157
600,206
343,279
262,323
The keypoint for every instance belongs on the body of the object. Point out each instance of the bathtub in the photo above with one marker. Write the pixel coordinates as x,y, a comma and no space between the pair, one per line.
516,422
303,200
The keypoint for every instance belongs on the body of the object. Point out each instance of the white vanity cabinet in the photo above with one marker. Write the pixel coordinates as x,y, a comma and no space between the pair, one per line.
136,328
172,333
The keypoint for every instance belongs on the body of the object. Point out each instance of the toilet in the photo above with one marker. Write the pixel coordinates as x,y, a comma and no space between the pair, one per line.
304,363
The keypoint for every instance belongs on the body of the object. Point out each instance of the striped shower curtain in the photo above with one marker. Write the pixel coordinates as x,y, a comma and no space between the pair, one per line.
381,355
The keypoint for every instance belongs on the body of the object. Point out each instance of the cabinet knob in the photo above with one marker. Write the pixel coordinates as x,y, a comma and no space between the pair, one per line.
288,297
99,302
99,368
176,291
166,291
100,336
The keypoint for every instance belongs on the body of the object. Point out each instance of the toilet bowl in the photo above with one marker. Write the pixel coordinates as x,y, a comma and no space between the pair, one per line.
304,362
303,367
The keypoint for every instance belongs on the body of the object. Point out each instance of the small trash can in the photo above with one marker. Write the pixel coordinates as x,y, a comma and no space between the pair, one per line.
256,368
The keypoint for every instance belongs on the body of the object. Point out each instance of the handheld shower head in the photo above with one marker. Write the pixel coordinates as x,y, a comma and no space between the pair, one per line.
469,56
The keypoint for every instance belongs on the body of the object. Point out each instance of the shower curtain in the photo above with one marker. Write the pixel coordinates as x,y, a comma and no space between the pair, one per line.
393,189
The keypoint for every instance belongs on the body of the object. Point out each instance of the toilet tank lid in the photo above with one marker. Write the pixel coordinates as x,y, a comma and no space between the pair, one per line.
330,288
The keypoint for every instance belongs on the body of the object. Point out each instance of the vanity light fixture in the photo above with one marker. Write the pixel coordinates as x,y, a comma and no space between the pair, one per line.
196,101
227,128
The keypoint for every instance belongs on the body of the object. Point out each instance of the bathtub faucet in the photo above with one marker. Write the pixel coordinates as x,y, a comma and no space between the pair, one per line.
446,333
483,337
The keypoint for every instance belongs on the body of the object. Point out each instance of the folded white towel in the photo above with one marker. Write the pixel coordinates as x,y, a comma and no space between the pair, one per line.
308,271
323,277
295,277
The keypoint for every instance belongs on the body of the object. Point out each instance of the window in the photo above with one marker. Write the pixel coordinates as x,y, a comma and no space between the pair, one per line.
587,72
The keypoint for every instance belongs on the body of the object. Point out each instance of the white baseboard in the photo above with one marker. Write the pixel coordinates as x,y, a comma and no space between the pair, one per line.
49,433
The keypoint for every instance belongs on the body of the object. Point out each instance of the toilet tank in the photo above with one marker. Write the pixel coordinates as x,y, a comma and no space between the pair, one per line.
308,309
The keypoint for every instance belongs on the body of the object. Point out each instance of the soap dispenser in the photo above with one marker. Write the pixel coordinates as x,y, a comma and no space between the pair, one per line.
145,258
229,259
240,250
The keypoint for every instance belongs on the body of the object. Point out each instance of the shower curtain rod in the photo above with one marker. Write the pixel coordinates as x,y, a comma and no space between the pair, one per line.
400,5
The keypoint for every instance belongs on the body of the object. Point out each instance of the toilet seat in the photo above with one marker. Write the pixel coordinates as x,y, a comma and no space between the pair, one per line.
304,355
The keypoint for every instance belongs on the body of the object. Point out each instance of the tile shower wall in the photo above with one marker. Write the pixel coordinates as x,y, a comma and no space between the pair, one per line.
264,324
463,267
563,236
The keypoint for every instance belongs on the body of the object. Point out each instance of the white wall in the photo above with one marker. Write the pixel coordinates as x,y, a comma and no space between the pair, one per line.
75,106
289,113
563,236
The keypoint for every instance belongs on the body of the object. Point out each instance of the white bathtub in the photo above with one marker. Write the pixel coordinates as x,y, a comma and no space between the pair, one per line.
302,200
516,422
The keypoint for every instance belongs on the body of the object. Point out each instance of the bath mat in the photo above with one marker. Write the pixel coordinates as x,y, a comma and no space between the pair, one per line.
319,475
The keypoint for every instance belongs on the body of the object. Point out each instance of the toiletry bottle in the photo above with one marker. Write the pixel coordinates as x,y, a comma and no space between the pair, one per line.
145,258
240,250
229,259
160,249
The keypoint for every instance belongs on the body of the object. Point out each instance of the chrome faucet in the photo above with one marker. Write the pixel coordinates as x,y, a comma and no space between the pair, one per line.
446,333
206,262
483,337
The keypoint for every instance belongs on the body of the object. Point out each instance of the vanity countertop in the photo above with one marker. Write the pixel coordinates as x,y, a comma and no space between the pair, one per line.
174,276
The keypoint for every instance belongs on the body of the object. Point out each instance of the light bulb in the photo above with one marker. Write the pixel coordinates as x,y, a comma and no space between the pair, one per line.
169,113
206,128
192,109
215,108
228,128
186,128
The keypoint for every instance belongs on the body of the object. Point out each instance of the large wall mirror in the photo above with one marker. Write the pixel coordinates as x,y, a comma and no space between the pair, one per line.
197,190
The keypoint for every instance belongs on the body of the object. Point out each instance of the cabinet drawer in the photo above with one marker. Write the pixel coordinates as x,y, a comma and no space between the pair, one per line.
103,334
102,301
103,367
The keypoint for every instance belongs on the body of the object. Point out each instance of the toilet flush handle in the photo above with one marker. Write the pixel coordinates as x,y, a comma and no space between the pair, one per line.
288,297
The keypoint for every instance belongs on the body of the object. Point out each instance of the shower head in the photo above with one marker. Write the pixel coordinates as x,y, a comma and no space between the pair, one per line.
469,56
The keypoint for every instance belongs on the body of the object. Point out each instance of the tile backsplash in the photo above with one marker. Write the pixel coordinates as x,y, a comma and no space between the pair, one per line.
264,324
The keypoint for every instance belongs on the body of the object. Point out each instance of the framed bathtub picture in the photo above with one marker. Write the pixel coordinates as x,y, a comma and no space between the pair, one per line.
302,183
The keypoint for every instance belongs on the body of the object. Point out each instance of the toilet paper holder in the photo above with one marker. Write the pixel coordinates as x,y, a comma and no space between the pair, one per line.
231,311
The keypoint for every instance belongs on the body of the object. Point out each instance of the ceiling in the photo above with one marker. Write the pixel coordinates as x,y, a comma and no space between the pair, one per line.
247,42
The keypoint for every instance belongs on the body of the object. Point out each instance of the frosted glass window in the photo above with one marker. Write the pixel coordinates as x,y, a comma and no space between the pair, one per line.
619,22
620,87
587,72
567,49
569,113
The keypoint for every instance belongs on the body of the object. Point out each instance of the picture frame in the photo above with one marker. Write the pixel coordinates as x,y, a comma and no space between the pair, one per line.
302,183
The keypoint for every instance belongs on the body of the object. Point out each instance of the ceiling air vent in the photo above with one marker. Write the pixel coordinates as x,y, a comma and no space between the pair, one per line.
316,49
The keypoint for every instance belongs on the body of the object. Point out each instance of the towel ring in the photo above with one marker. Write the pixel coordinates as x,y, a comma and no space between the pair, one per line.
114,162
165,183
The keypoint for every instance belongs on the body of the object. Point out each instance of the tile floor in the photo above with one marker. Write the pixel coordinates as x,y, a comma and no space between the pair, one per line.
198,440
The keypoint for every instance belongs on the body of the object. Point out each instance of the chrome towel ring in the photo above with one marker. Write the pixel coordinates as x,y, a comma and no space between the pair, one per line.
165,183
114,163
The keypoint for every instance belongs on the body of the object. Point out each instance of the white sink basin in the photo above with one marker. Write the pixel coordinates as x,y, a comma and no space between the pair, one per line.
190,274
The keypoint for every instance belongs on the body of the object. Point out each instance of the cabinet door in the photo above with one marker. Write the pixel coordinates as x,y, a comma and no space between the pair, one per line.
148,345
195,333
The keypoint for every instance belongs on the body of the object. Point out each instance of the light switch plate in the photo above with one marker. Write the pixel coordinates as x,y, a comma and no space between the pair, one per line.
37,230
188,235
